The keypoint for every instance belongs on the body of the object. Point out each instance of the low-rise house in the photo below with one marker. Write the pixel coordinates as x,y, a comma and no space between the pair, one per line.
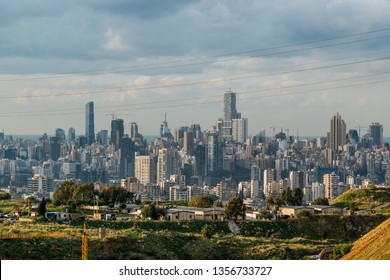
325,209
293,211
176,214
208,214
64,216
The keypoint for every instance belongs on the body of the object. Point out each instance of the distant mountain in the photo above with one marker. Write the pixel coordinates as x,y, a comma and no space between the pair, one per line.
375,245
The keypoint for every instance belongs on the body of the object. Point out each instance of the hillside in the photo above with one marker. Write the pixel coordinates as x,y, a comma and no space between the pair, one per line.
375,245
367,198
290,239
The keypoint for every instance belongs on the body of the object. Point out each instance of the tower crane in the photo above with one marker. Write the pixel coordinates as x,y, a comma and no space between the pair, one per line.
112,115
292,129
273,129
360,128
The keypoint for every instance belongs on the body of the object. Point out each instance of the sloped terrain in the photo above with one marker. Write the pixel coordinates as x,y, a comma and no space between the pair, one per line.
367,198
375,245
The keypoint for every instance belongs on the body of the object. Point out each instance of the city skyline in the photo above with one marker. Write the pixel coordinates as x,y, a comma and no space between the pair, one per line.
292,64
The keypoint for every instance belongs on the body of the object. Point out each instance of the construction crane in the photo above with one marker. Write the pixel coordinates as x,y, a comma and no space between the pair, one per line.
288,132
273,129
360,128
112,115
84,237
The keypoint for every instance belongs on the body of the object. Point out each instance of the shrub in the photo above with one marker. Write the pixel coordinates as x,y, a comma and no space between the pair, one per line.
341,250
207,231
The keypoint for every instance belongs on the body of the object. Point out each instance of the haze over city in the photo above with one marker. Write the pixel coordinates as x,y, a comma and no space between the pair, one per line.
292,64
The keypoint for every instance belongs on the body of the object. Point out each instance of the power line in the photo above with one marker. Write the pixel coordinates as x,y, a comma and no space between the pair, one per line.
196,83
212,59
69,112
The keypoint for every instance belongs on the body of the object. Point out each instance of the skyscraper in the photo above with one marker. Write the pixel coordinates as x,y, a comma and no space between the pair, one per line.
89,123
331,183
145,169
376,132
167,164
338,133
71,135
214,153
117,131
229,106
133,130
127,157
240,130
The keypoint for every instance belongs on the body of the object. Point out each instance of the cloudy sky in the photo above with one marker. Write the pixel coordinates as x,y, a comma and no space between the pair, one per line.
292,63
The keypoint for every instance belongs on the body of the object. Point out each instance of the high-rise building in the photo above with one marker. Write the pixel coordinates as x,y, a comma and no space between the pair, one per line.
200,160
165,132
71,135
297,179
270,175
338,133
229,106
240,130
167,164
102,137
40,184
376,132
117,132
133,130
89,123
331,185
145,169
188,142
214,153
126,165
60,133
55,148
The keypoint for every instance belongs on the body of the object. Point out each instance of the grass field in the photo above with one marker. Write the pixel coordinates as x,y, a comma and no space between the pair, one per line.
292,239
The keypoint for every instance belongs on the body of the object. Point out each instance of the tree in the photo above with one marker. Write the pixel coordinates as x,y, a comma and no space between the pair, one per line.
207,231
303,214
297,196
320,201
269,202
84,193
201,201
292,197
149,211
218,203
64,193
4,196
42,207
265,214
115,195
234,208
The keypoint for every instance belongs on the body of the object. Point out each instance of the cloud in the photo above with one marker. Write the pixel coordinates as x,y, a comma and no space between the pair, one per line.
114,42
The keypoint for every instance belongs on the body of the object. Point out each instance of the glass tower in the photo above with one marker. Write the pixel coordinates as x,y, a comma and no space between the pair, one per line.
89,123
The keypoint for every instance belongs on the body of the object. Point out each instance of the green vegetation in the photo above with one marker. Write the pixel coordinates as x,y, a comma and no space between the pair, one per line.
71,193
320,201
4,196
292,197
150,239
341,250
201,201
292,239
42,206
207,231
150,211
366,198
234,208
